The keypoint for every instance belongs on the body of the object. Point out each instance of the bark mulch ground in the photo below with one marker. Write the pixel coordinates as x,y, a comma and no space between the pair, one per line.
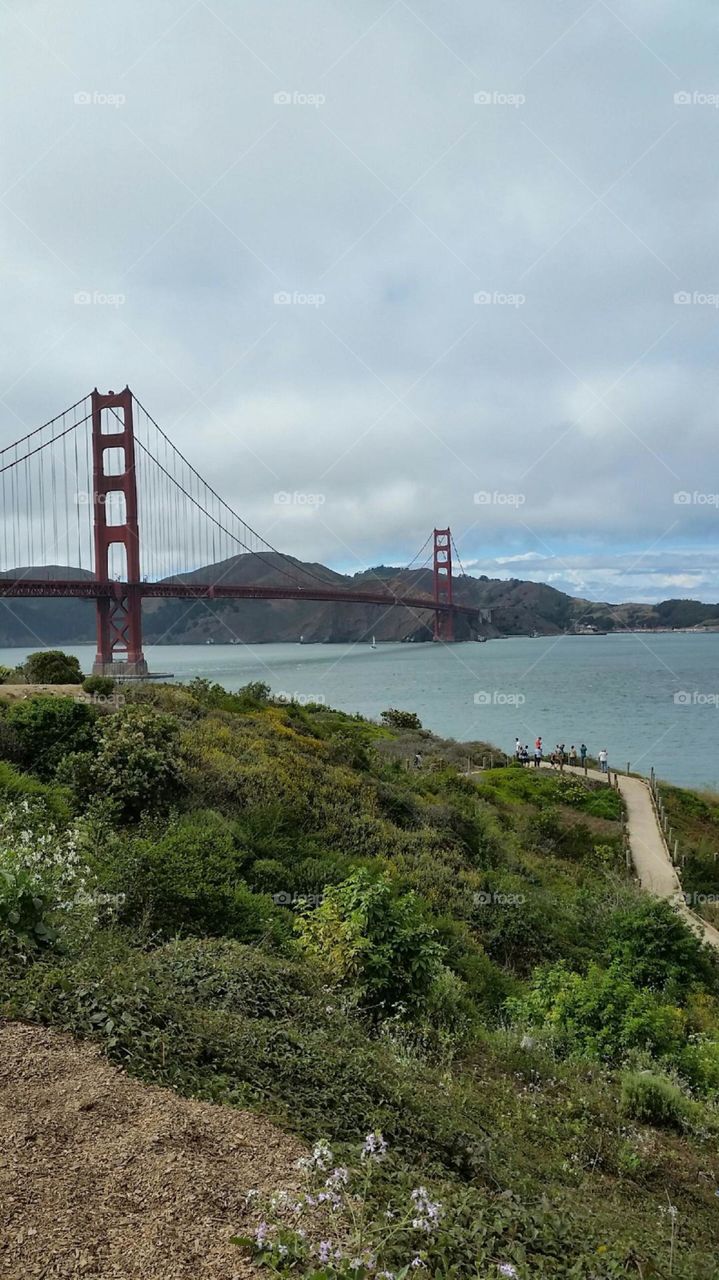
103,1176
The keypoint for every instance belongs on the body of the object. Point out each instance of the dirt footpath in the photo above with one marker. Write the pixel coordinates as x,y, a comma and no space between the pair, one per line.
650,855
102,1176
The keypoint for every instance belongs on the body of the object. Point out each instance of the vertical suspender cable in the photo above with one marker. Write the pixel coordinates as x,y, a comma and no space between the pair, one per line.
90,497
77,501
28,512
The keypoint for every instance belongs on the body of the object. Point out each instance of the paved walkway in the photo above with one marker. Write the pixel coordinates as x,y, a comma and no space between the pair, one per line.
650,856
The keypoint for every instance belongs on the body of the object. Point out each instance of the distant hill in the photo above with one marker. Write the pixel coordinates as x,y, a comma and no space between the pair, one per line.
517,608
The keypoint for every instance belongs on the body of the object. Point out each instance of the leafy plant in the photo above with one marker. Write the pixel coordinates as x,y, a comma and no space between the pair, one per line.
653,1099
102,685
603,1013
47,728
44,880
395,719
52,666
373,940
136,764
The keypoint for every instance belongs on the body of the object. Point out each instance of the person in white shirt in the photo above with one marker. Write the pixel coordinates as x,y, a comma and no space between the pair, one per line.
603,758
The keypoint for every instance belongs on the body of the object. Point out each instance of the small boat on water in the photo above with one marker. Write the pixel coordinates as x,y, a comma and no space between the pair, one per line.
373,644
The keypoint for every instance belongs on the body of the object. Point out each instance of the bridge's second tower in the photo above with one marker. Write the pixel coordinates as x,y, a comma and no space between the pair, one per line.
444,618
119,616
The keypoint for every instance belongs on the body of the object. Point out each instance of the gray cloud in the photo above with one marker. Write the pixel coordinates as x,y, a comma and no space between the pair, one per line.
384,188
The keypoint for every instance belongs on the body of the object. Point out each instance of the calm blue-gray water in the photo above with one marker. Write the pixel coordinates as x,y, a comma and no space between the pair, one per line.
651,700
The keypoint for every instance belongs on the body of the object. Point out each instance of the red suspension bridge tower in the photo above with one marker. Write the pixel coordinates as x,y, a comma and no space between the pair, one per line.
119,617
444,616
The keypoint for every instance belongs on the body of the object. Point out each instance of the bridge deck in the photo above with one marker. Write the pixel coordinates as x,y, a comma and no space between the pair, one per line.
88,589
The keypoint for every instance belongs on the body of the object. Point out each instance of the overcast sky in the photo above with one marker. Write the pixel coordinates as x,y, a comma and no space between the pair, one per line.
482,215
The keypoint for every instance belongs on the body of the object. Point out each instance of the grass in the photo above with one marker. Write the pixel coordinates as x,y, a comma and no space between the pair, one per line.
694,819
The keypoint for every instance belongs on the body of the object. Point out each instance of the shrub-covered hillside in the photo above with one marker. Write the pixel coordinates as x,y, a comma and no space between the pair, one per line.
448,979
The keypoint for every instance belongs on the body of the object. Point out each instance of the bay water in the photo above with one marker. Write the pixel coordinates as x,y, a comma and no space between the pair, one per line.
651,700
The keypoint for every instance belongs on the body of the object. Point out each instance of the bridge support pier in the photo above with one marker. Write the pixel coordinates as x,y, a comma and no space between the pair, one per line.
119,617
443,618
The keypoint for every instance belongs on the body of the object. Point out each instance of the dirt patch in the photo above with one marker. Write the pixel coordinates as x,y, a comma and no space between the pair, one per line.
12,692
103,1176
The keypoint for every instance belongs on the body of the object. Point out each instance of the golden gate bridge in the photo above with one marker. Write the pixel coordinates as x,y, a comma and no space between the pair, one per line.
136,492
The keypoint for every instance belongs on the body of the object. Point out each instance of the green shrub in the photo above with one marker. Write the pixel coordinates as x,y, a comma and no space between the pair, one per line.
48,728
136,765
44,879
21,786
270,876
11,747
395,719
25,908
652,1099
654,945
52,666
249,696
602,1013
8,675
698,1063
103,685
374,941
190,880
219,973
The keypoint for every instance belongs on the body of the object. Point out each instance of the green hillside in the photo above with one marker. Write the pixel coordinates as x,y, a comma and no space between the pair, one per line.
505,1057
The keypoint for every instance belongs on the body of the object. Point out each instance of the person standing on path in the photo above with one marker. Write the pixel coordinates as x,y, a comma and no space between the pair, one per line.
573,755
583,754
538,753
603,759
517,749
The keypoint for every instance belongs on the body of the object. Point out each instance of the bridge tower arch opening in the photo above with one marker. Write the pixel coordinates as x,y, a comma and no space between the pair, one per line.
119,617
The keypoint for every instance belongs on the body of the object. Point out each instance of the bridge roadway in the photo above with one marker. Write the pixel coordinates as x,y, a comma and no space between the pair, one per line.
89,589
